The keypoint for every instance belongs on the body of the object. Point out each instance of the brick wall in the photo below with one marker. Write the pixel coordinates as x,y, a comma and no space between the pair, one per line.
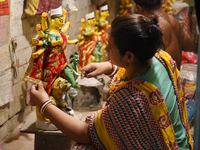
21,28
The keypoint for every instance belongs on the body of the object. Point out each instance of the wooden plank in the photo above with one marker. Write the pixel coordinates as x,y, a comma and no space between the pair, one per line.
52,142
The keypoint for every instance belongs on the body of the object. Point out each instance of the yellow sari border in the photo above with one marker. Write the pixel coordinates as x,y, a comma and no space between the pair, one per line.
160,112
102,132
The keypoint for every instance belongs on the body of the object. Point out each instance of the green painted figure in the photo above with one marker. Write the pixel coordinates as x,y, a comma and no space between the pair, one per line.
71,71
97,52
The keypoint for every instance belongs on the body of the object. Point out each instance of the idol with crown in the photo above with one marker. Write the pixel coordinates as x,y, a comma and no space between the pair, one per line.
101,27
48,60
87,39
48,57
90,46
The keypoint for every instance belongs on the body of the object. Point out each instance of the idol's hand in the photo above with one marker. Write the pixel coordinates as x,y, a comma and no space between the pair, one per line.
34,41
38,27
35,55
45,15
64,12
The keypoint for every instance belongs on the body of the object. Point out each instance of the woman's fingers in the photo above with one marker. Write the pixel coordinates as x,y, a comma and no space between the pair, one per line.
33,88
38,94
93,74
86,70
40,86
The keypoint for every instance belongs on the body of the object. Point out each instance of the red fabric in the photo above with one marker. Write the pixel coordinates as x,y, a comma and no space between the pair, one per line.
186,26
50,63
37,7
55,62
37,68
47,5
57,55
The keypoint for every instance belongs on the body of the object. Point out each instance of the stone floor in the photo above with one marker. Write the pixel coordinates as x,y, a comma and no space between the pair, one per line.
18,141
24,141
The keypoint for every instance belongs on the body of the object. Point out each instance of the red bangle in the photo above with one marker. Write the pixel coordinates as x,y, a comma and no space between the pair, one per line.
43,104
112,67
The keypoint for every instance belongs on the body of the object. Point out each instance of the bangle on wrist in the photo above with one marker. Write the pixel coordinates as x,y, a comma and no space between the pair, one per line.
44,106
113,71
112,67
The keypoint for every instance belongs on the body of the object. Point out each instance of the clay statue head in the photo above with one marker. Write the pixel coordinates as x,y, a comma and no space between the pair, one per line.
104,11
74,58
90,18
56,17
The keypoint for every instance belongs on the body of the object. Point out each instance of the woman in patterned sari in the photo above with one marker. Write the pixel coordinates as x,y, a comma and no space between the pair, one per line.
145,109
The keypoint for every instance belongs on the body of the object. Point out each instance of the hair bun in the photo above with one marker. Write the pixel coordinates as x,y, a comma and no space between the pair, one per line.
153,26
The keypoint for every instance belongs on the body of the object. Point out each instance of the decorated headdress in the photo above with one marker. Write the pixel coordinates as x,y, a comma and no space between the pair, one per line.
89,16
55,13
104,8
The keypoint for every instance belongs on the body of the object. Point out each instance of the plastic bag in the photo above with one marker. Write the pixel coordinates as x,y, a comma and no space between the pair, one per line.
189,57
188,76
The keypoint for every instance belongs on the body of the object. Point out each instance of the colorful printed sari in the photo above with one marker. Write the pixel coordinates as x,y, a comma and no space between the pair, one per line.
136,116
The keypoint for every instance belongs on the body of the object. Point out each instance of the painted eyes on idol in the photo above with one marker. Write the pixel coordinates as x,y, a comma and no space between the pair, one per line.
61,20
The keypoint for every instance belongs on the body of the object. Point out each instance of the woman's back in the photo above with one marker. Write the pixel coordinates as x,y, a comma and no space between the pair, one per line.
158,76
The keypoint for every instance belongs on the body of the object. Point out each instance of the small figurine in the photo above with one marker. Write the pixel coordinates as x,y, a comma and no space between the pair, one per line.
96,55
71,70
102,26
60,88
48,57
87,39
125,7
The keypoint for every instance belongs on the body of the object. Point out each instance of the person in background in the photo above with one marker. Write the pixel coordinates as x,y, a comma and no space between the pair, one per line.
145,109
191,7
175,40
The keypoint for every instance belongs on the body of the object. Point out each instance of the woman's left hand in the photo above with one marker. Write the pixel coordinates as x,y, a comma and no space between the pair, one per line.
38,95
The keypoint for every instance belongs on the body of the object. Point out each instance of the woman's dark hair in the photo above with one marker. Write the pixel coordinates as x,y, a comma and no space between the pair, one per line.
137,34
149,4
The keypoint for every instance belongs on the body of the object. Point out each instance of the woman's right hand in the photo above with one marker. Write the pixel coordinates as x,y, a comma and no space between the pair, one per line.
38,95
96,69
